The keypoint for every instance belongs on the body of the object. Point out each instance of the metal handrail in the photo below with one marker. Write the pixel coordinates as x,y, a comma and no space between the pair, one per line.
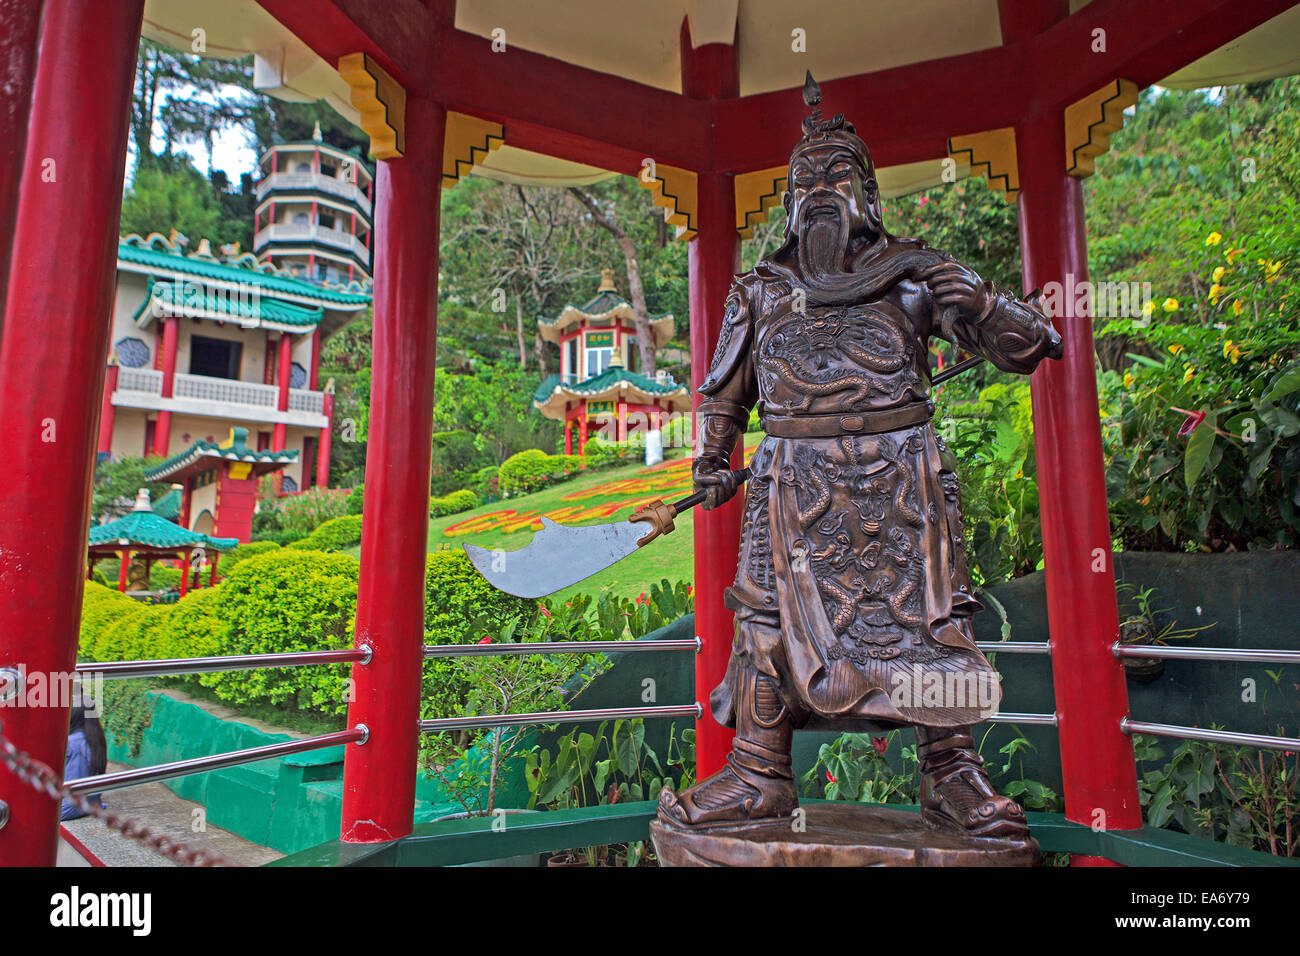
558,647
1250,655
1041,720
1130,726
1015,647
557,717
117,670
182,768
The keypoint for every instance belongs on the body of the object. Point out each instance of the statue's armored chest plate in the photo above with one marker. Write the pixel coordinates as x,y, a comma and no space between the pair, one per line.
835,359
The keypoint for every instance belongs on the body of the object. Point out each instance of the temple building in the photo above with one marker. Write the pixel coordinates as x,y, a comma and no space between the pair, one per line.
313,211
204,343
599,384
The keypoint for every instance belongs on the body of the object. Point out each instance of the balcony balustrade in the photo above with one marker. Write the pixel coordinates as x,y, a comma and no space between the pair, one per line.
349,191
306,232
261,401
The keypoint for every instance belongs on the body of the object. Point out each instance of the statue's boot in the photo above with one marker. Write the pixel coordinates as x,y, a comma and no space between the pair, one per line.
957,792
757,783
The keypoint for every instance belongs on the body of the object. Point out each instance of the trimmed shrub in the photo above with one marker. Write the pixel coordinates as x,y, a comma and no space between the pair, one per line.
194,629
134,637
243,553
100,607
162,577
454,503
305,512
287,601
355,498
332,535
533,469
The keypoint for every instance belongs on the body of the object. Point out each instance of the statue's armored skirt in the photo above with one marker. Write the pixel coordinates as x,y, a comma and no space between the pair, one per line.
852,589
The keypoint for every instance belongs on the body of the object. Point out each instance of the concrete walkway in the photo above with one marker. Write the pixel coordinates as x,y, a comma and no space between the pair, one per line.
162,812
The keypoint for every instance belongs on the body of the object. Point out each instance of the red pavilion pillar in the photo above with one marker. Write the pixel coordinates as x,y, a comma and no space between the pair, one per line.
1097,765
69,207
713,258
284,367
20,25
162,435
379,776
326,439
106,416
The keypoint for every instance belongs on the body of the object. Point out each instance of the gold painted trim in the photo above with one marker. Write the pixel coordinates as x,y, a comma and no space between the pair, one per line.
756,193
677,192
467,142
991,154
1090,121
381,101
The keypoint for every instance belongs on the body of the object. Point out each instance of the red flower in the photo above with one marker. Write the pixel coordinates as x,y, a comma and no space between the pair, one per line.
486,640
542,608
1189,424
880,743
830,777
640,598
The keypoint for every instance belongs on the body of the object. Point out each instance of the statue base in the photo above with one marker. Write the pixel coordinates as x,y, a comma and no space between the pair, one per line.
835,834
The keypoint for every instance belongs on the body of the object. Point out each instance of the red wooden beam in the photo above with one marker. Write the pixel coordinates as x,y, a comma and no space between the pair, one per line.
554,107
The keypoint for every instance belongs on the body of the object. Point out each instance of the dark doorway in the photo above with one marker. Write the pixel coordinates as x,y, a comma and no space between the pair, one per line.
216,358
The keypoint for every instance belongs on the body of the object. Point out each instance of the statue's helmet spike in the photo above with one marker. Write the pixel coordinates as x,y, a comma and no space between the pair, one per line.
812,92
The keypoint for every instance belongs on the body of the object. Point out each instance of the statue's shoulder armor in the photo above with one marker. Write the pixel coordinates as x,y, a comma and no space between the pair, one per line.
737,333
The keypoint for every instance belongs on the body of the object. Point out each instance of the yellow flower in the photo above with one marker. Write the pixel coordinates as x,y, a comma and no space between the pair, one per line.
1231,254
1227,347
1148,308
1129,379
1213,239
1171,305
1231,352
1218,273
1187,376
1237,307
1175,348
1216,290
1145,501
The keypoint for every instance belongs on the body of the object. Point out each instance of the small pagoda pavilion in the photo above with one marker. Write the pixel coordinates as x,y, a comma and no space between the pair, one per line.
598,352
219,482
151,537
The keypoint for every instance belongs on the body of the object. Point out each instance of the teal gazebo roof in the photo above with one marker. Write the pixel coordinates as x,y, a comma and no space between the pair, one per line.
143,528
203,456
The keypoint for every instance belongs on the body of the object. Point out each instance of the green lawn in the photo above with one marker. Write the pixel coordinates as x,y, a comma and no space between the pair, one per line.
669,557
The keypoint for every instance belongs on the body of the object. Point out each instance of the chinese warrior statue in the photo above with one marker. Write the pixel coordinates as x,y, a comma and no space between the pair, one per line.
852,597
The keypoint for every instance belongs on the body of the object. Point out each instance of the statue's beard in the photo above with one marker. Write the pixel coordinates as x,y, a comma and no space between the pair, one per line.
824,246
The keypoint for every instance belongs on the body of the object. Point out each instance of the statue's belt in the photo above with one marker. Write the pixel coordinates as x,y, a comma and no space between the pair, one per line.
852,423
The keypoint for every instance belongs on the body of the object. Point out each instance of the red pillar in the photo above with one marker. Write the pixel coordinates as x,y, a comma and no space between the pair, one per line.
162,435
315,360
1097,765
124,567
105,444
19,35
568,435
379,777
713,257
326,436
68,211
621,431
212,569
187,568
285,358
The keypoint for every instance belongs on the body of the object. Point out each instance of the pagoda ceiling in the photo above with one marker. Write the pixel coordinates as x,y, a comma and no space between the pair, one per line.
595,83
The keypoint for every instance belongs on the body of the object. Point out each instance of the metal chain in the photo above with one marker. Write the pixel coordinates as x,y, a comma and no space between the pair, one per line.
41,778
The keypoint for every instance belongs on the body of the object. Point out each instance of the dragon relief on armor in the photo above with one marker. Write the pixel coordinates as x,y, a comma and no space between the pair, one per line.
813,355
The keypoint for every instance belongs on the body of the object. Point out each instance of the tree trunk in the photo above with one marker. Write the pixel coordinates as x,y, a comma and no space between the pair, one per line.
644,334
519,328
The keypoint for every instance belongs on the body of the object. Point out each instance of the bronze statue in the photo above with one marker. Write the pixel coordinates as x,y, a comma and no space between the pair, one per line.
852,597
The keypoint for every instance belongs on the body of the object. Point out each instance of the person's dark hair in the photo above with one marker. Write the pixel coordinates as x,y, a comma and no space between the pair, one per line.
78,719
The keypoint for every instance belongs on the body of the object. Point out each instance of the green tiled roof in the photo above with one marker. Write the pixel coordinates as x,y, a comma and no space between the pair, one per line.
544,390
169,505
237,451
154,531
615,375
129,251
191,298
